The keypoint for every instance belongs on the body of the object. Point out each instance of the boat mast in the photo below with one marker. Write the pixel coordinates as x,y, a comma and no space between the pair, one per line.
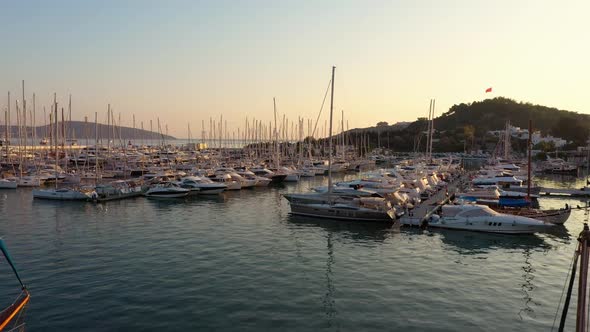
528,189
96,148
330,134
428,129
63,140
34,123
507,141
431,130
8,131
24,121
56,135
277,162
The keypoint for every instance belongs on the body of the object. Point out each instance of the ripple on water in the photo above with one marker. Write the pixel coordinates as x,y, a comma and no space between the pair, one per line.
241,262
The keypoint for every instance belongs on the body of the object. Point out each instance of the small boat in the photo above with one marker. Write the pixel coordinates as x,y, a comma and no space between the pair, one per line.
227,180
61,194
201,186
554,216
116,190
274,177
30,181
12,317
167,190
260,180
8,184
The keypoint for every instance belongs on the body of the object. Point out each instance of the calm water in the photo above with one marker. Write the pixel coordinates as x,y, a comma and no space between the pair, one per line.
240,262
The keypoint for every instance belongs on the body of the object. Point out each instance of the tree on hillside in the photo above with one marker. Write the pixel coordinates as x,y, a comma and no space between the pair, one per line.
469,134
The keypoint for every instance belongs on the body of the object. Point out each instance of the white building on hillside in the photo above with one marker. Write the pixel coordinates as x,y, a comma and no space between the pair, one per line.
517,132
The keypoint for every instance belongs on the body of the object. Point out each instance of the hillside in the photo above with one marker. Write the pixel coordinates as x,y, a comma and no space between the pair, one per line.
465,126
82,130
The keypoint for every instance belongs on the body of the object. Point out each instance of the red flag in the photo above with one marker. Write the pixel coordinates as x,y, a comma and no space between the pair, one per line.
488,90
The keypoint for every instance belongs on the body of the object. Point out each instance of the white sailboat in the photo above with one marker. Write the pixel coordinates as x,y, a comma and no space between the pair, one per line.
64,194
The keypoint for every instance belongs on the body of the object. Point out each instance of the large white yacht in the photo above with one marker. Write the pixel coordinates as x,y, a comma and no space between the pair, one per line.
480,218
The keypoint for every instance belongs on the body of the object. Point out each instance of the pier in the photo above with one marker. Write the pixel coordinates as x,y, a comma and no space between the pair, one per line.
582,192
435,202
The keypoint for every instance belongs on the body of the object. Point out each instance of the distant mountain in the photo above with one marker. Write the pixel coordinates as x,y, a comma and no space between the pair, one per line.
81,130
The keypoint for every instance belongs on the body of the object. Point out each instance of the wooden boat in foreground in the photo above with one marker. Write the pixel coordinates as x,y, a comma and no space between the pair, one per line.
554,216
13,315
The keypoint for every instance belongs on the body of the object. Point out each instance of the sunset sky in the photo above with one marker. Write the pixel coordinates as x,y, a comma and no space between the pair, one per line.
187,61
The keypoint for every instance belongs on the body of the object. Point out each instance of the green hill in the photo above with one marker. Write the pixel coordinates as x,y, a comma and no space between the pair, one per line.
465,126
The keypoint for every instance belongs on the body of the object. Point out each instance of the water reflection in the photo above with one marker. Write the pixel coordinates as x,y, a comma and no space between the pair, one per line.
527,287
352,229
559,233
471,243
328,300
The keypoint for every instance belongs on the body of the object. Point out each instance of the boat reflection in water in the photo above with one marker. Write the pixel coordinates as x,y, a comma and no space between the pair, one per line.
351,229
471,243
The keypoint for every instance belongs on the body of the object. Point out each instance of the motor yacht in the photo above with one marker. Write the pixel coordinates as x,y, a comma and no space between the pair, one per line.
201,185
166,190
481,218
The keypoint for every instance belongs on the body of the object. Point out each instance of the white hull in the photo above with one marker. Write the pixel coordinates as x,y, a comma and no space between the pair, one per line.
167,190
480,219
7,184
60,194
263,182
247,183
211,191
167,195
233,185
292,178
29,182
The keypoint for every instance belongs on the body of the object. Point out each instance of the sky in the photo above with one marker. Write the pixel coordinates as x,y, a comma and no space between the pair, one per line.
186,62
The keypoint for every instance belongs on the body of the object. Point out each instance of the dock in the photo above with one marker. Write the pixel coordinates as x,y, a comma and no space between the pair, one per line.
435,202
582,192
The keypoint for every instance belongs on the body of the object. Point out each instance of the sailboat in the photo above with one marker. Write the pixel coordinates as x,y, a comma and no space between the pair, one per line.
64,194
13,315
553,216
334,206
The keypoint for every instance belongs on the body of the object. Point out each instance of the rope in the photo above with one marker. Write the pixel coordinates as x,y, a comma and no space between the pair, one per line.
321,108
563,290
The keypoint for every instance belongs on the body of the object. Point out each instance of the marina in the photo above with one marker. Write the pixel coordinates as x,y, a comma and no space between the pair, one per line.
221,199
182,260
294,166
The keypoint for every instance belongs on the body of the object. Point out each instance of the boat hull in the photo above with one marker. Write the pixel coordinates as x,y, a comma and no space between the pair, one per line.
334,212
6,184
167,195
60,195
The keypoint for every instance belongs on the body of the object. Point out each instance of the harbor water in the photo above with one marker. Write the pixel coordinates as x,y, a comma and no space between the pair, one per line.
240,261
